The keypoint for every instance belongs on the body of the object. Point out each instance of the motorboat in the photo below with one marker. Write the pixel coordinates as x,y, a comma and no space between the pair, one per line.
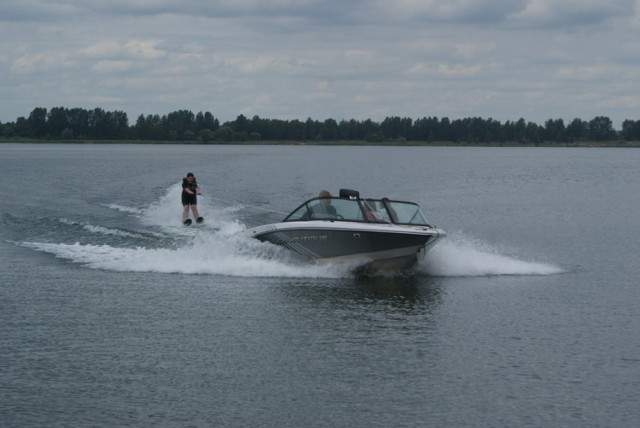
382,233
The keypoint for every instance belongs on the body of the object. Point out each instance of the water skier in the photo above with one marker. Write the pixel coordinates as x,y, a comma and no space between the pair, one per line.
190,192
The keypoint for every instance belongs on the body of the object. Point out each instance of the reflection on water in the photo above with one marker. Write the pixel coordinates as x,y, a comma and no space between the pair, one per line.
406,294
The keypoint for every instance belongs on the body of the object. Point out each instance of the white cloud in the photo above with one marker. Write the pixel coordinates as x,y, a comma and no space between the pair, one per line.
41,62
111,66
133,48
103,49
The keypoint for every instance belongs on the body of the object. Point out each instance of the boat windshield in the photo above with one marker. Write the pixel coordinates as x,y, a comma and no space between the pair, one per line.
362,210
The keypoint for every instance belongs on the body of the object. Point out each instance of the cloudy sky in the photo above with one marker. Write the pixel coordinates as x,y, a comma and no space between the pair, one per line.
340,59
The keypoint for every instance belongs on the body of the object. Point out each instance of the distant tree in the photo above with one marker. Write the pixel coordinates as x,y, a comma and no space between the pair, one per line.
224,133
240,124
534,133
456,130
78,122
9,130
210,122
149,128
554,130
374,137
477,130
22,127
199,121
269,129
493,131
370,129
577,130
296,131
178,122
57,121
189,135
345,129
256,125
97,123
471,130
519,130
108,125
141,129
37,122
444,131
206,135
396,127
67,134
631,130
121,122
424,129
205,121
329,130
601,129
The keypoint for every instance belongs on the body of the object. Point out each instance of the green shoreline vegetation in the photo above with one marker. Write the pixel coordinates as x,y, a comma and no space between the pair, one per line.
97,126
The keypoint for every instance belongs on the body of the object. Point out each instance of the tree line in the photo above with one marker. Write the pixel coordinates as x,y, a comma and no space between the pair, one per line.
61,123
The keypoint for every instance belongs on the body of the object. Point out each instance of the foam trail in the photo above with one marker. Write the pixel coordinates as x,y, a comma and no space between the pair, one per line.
233,255
461,256
121,208
110,231
167,211
167,214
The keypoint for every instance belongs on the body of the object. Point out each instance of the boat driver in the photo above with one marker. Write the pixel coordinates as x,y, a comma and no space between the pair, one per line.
324,209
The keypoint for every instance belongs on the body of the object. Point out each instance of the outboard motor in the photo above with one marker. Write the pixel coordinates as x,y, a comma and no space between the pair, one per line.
348,193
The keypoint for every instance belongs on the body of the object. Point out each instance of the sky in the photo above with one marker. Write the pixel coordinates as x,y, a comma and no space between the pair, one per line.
321,59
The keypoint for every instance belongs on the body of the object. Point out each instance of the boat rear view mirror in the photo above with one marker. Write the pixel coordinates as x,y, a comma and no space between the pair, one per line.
348,193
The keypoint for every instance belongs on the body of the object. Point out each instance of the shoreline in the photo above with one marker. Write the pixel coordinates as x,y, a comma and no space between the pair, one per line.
586,144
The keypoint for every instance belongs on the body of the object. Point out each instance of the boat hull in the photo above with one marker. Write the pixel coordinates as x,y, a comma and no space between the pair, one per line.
388,246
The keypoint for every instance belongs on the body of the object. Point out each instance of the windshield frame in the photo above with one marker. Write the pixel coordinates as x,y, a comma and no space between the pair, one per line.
359,210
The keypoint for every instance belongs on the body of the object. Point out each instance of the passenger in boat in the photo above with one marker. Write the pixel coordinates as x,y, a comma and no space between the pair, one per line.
372,214
190,190
383,212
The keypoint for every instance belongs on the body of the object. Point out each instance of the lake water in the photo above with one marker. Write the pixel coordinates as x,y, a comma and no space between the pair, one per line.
114,314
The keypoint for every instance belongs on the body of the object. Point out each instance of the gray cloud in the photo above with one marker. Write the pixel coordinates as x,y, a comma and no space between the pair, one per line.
558,14
505,59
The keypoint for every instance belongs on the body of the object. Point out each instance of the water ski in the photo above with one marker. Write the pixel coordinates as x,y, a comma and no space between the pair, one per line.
187,222
199,220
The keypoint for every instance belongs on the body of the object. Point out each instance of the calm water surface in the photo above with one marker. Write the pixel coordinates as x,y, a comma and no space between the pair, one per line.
113,314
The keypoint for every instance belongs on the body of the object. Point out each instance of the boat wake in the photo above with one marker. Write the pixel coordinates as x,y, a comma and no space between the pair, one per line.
223,256
458,255
154,240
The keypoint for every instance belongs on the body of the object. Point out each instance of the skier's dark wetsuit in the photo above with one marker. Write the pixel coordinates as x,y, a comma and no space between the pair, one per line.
187,198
